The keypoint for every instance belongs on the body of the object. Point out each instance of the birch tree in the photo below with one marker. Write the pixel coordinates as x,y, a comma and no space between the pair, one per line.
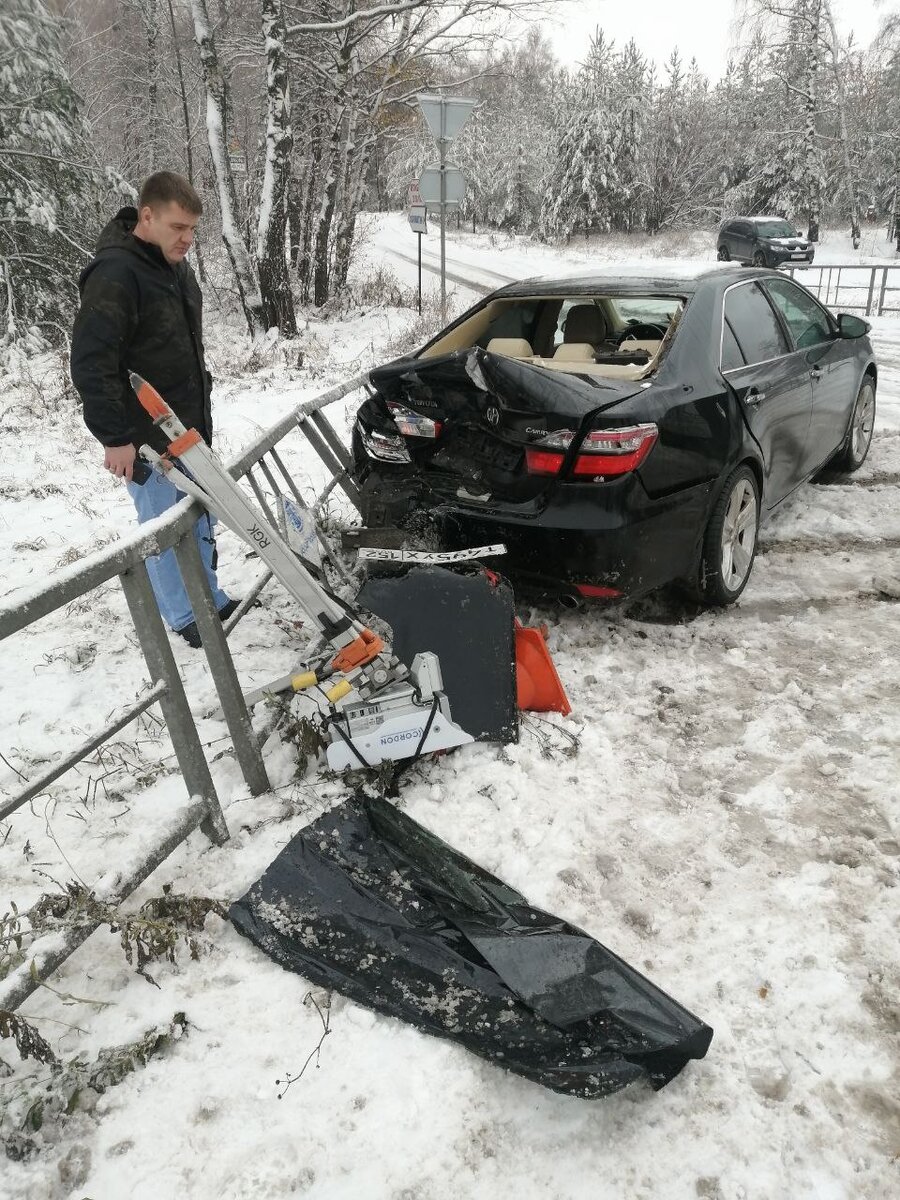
238,254
368,58
275,288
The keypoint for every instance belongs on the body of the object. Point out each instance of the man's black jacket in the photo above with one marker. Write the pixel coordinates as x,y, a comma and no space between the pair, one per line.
140,314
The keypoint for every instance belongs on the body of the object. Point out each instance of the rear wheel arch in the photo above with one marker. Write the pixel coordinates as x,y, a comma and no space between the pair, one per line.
756,468
727,554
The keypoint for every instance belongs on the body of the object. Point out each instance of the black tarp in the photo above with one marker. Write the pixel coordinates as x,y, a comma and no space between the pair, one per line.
368,902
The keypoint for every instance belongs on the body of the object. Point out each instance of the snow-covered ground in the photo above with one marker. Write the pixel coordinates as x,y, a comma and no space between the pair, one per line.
729,824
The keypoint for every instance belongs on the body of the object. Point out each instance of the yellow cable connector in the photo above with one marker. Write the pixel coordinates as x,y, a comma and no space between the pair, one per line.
339,691
307,680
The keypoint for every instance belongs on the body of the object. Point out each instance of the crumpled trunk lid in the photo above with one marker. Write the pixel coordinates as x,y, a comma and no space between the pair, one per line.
490,408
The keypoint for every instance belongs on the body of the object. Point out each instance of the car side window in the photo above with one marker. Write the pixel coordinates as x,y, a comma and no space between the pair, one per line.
807,322
754,324
732,358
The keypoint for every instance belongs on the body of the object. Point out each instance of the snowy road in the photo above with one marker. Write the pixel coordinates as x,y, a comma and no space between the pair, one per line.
726,818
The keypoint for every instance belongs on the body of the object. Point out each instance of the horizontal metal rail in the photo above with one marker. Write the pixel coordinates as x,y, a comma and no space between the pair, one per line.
130,714
51,950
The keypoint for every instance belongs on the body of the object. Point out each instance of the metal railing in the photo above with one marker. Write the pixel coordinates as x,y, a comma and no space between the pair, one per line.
870,291
260,465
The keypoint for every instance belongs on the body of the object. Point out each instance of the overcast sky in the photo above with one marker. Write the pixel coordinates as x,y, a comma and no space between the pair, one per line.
699,28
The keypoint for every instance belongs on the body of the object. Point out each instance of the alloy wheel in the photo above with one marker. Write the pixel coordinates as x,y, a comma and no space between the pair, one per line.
863,424
739,535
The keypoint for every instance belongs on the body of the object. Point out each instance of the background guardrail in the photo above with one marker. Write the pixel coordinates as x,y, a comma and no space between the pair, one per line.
869,291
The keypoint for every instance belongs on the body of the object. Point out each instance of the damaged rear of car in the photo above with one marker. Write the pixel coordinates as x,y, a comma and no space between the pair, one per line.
578,424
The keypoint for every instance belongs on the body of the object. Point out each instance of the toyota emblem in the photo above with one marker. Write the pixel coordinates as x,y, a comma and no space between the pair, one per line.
493,415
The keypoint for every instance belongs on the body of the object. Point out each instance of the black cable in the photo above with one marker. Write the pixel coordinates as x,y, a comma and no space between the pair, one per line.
334,723
434,707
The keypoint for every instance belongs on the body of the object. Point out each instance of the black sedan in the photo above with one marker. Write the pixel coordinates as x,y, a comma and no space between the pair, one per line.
619,431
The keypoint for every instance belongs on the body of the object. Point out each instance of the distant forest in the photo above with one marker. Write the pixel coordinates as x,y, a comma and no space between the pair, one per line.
291,119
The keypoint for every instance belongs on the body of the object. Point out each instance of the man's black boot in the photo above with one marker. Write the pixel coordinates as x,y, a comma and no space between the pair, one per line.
191,635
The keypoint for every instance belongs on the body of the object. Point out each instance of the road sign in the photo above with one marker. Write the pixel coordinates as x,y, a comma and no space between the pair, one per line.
445,115
413,195
430,184
416,217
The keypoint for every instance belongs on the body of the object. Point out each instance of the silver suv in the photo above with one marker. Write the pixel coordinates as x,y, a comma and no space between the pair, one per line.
763,242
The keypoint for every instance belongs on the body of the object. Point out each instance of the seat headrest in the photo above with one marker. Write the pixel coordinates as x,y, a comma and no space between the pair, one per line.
574,352
511,347
584,323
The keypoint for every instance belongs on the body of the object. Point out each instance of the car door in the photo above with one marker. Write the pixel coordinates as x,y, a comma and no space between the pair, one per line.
748,240
831,362
736,240
772,385
731,236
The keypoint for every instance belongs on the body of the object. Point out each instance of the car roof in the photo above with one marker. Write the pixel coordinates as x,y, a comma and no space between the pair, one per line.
758,219
675,277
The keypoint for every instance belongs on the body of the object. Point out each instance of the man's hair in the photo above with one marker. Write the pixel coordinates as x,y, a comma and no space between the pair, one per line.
164,187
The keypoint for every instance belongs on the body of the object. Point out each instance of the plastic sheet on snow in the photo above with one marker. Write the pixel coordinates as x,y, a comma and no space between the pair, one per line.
368,902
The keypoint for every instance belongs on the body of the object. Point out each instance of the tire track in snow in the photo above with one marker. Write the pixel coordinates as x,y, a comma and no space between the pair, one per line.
801,545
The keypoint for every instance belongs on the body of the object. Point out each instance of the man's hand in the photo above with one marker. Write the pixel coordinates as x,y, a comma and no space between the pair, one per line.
120,460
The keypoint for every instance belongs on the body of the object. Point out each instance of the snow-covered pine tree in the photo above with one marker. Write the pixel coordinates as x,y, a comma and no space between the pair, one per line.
790,169
50,186
631,102
582,191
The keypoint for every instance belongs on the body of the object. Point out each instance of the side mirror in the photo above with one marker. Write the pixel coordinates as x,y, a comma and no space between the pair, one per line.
852,327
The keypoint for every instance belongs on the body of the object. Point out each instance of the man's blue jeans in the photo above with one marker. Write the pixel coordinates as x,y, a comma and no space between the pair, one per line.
152,499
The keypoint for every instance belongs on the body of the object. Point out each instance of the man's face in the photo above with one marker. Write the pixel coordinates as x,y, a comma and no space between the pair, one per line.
170,227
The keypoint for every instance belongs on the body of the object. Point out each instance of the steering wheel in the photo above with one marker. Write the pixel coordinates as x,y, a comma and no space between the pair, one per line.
642,331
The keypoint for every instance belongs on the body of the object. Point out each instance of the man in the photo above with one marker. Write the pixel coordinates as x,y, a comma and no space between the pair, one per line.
141,310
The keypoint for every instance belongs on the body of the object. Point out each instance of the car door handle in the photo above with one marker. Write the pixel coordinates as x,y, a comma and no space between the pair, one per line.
755,396
815,373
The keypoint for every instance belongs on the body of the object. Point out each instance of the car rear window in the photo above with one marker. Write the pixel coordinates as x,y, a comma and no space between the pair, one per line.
754,324
646,310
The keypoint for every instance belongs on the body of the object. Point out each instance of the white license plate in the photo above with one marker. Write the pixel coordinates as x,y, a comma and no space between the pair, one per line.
798,256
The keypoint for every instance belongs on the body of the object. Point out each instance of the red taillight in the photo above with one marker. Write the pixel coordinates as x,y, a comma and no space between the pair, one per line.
542,462
595,590
603,452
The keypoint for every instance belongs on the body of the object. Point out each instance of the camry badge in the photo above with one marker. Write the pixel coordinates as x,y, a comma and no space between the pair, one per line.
493,415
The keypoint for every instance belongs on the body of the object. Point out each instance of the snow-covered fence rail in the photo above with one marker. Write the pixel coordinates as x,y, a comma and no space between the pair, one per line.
871,291
126,561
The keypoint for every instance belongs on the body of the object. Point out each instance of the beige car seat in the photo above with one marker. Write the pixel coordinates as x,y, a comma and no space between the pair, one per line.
574,352
585,323
511,347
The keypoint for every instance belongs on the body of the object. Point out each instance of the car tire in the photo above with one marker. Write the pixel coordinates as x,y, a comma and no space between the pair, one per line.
759,259
852,454
723,254
729,544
